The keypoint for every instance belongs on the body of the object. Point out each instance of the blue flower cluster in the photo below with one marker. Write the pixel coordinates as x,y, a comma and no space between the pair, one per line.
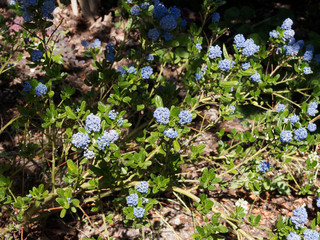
47,9
159,10
89,154
143,187
214,52
139,212
312,127
318,202
113,114
285,136
112,135
162,115
306,70
135,10
249,48
150,57
287,24
185,117
96,43
27,16
41,89
300,134
132,200
215,17
198,75
93,123
255,77
132,69
167,36
110,52
153,34
308,54
102,142
168,22
245,65
27,86
274,34
146,72
225,65
264,167
170,133
280,107
310,234
293,236
299,217
29,3
36,55
81,140
198,46
294,119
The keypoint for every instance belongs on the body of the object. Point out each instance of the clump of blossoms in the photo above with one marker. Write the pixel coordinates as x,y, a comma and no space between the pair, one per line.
300,134
285,136
293,236
310,234
242,203
81,140
137,199
93,123
153,34
41,89
214,52
248,47
294,119
143,187
132,200
162,115
280,107
299,217
109,52
255,77
135,10
170,133
185,117
36,55
225,65
264,166
312,109
146,72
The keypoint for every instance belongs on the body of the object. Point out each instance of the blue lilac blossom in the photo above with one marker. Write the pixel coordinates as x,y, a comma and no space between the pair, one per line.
132,70
81,140
28,3
239,41
215,17
310,47
198,75
224,65
301,134
88,154
85,43
110,52
113,114
112,135
185,117
27,86
159,10
96,43
162,115
167,36
299,217
174,12
280,107
150,57
306,70
143,187
146,72
27,16
145,200
36,55
245,66
293,236
311,111
294,119
318,202
102,142
47,9
288,34
308,56
310,234
264,167
139,212
153,34
120,121
41,89
168,22
132,200
170,133
255,77
285,136
145,5
93,123
312,127
274,34
250,48
198,46
287,24
233,108
214,52
135,10
121,70
313,105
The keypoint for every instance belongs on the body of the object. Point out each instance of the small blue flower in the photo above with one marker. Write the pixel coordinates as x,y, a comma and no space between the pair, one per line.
198,46
198,75
214,52
313,105
185,117
29,195
96,43
145,200
225,65
143,187
139,212
183,23
306,70
121,70
159,10
310,234
41,89
168,22
299,217
47,9
288,34
27,16
285,136
167,36
245,66
294,119
233,108
120,121
312,127
274,34
85,43
111,136
175,12
264,167
170,133
153,34
301,134
110,52
239,41
36,55
135,10
102,142
146,72
27,86
280,107
293,236
215,17
162,115
81,140
311,111
89,154
255,77
318,202
93,123
69,200
250,48
145,5
131,70
308,56
150,57
287,24
132,200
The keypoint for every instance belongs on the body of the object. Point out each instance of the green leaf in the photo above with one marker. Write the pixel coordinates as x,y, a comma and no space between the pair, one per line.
225,53
158,101
181,52
176,145
140,107
70,113
102,107
63,213
72,166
